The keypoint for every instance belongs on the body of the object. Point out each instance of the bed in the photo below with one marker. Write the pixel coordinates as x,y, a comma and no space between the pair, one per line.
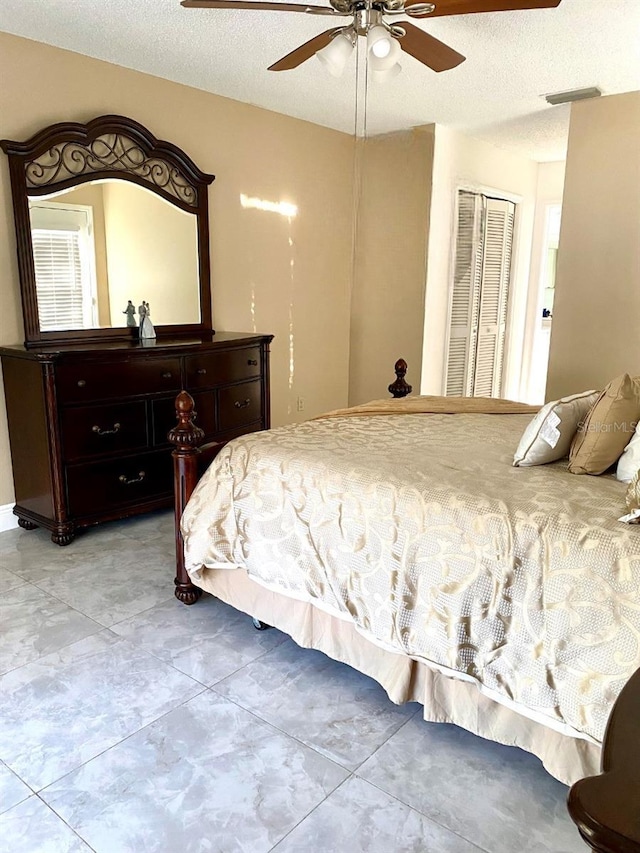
398,538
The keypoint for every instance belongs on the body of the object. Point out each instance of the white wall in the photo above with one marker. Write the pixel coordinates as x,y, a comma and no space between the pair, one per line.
461,162
549,191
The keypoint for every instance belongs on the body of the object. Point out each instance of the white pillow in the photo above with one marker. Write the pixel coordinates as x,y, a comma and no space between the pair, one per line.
629,462
549,435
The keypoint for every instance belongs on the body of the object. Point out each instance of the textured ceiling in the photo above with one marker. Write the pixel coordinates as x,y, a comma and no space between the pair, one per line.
512,59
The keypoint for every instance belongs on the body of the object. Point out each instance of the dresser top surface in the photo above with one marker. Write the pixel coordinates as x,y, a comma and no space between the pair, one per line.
164,345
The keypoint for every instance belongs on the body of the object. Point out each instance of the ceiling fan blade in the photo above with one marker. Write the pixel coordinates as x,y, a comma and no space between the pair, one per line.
259,6
468,7
305,51
427,49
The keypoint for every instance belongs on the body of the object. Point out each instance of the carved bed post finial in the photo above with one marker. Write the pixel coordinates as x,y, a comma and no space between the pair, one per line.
400,388
186,438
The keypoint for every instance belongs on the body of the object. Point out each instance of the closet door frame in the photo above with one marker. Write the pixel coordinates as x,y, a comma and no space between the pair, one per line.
505,195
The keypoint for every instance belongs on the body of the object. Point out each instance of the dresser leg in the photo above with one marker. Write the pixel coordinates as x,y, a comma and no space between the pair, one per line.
187,593
63,536
25,524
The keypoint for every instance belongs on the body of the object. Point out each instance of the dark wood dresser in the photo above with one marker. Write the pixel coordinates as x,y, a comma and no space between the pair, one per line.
88,423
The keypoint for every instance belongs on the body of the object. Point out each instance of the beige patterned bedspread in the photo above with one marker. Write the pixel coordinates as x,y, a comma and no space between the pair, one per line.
419,530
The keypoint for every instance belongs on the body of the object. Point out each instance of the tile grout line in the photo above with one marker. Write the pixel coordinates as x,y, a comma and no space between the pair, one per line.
259,719
422,814
386,740
244,665
351,774
129,642
408,805
173,666
26,784
101,627
60,818
41,790
93,618
63,568
204,687
317,805
65,645
168,600
297,739
34,791
281,731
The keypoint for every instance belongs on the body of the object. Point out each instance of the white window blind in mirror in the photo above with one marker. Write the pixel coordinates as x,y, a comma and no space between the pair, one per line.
64,263
479,302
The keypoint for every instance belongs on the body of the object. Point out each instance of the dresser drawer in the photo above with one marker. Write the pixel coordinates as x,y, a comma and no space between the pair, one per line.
100,486
79,382
114,428
164,415
240,404
218,368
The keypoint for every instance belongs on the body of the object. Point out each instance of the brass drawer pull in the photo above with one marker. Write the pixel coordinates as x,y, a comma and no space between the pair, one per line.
201,371
167,375
128,482
98,431
81,383
242,404
253,362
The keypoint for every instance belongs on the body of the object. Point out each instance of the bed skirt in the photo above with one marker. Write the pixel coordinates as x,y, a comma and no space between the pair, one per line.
444,699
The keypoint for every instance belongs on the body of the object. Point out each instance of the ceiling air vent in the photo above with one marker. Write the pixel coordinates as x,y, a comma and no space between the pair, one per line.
574,95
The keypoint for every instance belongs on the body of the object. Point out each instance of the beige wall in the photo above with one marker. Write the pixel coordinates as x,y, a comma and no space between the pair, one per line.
461,162
596,323
289,278
394,173
152,254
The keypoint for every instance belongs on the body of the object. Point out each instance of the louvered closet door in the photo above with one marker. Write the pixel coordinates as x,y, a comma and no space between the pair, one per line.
465,304
480,295
494,297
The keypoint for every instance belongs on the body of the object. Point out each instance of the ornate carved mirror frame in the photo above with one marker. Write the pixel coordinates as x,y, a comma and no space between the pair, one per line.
68,154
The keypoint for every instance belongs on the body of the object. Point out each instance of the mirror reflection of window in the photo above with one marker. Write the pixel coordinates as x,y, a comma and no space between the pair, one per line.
133,245
65,266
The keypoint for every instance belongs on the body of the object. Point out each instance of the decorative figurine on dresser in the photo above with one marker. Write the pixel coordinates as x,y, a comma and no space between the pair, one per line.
99,217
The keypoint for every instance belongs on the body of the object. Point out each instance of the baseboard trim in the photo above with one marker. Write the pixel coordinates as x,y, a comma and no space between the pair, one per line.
8,521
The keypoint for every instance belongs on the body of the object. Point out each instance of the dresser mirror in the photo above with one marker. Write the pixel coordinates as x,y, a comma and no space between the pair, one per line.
107,218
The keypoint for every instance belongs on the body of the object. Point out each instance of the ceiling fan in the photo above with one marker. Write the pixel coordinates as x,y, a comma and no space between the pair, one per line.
385,40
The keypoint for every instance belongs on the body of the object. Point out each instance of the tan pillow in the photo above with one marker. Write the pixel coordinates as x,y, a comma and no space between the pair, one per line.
608,427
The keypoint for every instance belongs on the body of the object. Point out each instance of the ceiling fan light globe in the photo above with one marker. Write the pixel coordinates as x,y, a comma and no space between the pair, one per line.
386,62
387,74
335,55
378,41
381,48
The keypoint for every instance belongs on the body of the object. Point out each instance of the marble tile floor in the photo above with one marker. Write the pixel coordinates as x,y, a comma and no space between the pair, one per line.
130,723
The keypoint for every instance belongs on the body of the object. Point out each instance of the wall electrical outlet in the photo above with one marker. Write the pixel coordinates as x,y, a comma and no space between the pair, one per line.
300,404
